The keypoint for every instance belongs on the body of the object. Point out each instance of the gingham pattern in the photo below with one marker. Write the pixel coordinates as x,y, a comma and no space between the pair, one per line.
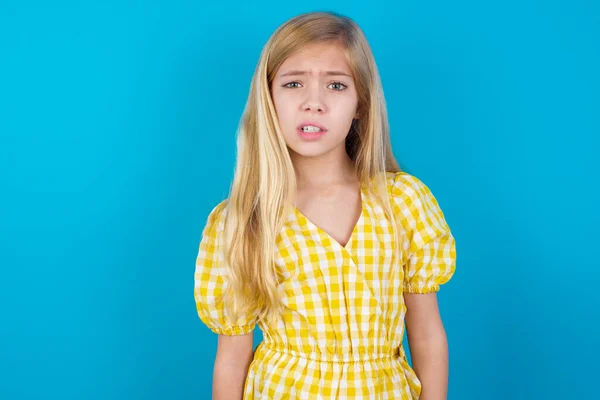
340,334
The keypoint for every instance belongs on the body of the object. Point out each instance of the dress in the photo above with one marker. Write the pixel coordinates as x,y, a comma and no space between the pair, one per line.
340,333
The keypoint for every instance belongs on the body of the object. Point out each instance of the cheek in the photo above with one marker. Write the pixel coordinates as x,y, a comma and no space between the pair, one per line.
277,101
345,108
284,107
284,114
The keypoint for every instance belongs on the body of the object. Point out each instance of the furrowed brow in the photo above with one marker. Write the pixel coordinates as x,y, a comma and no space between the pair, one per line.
327,73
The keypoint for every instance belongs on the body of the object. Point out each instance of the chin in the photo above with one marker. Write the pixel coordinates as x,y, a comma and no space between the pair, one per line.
309,150
316,148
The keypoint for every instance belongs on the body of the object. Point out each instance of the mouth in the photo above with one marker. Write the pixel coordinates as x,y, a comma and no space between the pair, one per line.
311,130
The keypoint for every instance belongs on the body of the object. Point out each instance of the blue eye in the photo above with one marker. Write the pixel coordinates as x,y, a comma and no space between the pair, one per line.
341,84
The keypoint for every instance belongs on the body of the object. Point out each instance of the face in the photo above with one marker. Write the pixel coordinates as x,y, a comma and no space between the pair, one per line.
313,89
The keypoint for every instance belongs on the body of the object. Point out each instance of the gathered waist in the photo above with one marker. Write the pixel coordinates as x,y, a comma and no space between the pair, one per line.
360,355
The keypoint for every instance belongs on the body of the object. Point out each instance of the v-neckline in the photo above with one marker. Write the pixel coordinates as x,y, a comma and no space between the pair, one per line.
324,233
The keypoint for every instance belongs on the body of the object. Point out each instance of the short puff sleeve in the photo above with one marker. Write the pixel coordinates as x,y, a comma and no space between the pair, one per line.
428,243
210,279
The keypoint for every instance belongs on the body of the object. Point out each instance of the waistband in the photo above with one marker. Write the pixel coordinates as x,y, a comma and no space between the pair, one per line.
362,355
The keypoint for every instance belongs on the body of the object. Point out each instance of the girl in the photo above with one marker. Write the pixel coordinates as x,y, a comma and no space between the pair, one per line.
323,242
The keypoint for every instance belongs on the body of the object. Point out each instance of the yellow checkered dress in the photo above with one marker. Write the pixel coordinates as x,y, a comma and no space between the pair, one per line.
340,334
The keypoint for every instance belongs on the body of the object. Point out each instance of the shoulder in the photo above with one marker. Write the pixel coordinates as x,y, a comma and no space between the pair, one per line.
216,218
414,203
403,187
220,209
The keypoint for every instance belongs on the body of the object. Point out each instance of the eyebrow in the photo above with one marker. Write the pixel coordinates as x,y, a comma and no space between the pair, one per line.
329,73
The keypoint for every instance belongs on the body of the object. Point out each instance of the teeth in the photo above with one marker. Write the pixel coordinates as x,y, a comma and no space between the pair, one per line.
310,128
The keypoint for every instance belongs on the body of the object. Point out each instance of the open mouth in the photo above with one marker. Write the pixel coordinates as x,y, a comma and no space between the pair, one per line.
311,130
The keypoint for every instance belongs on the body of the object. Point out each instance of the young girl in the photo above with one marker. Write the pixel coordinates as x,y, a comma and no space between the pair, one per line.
323,242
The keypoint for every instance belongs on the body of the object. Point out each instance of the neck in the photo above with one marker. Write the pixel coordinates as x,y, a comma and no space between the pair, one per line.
328,169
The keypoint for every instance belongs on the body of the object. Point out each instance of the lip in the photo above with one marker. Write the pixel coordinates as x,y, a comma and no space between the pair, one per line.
313,123
311,135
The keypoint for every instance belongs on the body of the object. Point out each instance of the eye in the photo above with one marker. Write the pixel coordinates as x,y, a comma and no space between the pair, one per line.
339,86
287,85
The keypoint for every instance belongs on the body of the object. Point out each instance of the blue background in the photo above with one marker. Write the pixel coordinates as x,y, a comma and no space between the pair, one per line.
118,120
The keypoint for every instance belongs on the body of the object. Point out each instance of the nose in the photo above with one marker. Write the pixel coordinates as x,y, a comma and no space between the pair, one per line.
314,101
311,106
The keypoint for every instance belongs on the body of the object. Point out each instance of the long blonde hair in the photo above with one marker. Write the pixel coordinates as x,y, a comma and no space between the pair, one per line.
264,183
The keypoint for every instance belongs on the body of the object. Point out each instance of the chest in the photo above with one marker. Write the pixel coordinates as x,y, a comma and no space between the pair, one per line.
311,262
335,215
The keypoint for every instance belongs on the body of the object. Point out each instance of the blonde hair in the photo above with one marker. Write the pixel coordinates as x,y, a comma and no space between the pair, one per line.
264,182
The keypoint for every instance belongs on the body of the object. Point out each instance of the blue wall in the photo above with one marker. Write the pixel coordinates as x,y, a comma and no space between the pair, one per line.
118,119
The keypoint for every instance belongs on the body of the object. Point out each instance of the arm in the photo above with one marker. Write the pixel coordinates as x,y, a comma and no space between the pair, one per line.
428,344
234,355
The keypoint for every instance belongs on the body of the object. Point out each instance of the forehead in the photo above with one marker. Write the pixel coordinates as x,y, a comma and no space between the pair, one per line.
318,56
